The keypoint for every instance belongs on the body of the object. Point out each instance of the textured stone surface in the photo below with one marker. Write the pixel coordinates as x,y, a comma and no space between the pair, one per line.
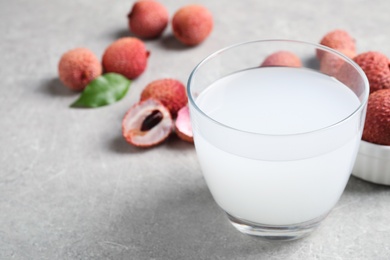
71,188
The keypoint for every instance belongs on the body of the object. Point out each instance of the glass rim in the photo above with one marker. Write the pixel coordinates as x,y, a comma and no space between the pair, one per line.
315,46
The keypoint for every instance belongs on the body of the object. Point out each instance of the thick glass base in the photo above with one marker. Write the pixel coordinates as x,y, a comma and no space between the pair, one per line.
276,232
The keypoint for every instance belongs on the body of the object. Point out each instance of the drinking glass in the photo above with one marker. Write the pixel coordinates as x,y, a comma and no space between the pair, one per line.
276,143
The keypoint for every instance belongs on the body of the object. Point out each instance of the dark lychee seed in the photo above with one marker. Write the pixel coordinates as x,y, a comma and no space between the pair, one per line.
151,120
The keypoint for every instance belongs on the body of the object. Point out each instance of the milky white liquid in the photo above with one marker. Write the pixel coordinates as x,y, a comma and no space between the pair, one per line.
267,185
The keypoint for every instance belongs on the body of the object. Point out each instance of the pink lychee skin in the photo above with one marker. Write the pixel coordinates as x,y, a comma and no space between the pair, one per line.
148,19
330,64
78,67
339,40
376,66
127,56
183,127
192,24
377,124
170,92
282,58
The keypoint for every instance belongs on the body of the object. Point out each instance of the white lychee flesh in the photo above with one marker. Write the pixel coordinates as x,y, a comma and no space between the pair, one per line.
147,123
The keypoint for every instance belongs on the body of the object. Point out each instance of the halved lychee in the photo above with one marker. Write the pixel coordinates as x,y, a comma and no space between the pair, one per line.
147,123
183,126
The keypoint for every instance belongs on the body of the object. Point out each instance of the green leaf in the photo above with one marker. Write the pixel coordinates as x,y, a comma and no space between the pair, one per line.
104,90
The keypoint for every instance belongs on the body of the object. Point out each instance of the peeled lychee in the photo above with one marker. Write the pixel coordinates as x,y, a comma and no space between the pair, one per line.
147,123
376,66
148,18
127,56
339,40
192,24
377,124
78,67
183,126
282,58
170,92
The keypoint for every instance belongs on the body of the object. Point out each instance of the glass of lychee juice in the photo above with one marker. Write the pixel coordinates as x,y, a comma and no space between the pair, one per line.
277,135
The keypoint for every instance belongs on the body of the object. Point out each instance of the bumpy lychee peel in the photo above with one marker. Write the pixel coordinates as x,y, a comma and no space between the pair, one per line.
372,60
148,19
192,24
377,124
183,126
347,74
282,58
127,56
339,40
331,64
376,66
133,121
170,92
78,67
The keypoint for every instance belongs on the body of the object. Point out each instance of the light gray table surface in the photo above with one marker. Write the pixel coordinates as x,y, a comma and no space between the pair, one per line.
72,188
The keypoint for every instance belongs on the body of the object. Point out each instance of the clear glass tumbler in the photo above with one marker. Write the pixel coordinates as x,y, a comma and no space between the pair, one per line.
277,140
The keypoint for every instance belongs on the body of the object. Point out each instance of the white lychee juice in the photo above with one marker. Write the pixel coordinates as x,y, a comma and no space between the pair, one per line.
276,145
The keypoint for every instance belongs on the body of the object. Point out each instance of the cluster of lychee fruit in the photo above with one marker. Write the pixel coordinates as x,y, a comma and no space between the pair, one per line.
376,66
126,56
191,24
163,104
162,109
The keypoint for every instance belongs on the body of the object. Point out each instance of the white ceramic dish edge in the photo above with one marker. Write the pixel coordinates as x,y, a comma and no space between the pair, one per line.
373,163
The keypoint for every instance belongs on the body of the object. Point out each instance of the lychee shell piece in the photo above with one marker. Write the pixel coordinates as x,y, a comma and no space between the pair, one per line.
78,67
377,124
183,127
148,19
170,92
132,122
127,56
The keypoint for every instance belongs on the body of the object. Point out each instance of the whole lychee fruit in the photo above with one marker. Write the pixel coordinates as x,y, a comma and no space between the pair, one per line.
183,126
127,56
377,124
78,67
346,73
147,123
192,24
148,18
339,40
331,64
282,58
170,92
376,66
